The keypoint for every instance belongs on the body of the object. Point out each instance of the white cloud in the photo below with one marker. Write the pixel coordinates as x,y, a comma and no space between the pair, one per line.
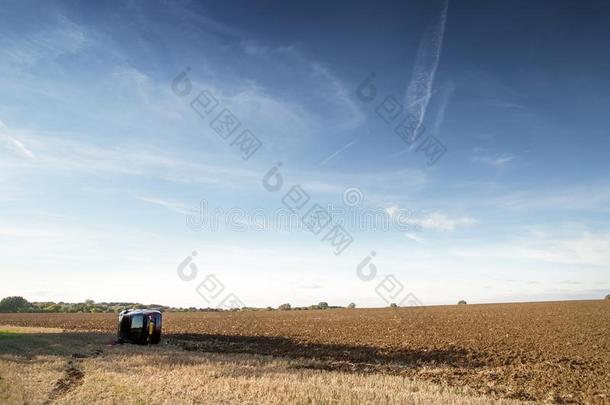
55,153
378,188
174,206
442,222
419,90
585,249
43,45
415,237
15,144
392,210
79,155
328,103
193,19
594,196
494,160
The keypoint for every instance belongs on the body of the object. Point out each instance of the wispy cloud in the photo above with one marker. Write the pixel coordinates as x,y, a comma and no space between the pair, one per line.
594,196
585,249
497,161
436,221
446,93
419,90
377,187
174,206
442,222
195,19
327,105
15,144
58,154
45,44
415,237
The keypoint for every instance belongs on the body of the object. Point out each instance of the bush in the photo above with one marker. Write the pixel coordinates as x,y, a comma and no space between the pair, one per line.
393,305
608,297
285,307
323,305
351,305
461,302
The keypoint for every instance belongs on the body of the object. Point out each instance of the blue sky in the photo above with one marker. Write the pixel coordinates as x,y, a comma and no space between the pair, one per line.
101,162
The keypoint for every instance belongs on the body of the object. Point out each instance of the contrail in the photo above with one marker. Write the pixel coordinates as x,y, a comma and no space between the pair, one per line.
446,92
333,155
419,90
442,107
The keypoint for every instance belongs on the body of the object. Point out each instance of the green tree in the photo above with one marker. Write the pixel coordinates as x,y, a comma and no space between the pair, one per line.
323,305
14,304
351,305
285,307
53,308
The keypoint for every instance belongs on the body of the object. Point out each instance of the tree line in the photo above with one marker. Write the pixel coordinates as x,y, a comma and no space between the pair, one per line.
20,304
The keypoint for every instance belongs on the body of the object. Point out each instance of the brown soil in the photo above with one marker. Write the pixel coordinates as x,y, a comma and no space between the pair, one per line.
552,351
72,378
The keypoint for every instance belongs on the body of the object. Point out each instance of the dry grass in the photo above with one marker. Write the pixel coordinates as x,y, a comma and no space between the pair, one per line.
9,329
81,368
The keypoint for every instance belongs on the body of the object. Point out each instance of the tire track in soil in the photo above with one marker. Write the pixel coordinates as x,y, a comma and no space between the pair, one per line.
73,376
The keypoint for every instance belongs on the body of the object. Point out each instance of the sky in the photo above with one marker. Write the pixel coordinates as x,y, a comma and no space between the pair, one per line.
133,134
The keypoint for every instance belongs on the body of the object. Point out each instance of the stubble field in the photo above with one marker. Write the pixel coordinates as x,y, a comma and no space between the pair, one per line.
555,352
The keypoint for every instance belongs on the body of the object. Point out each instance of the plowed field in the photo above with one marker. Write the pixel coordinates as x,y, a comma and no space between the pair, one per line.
553,351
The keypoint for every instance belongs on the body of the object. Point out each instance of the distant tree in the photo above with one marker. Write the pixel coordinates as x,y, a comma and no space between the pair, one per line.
269,308
393,305
351,305
461,302
608,297
53,308
323,305
285,307
14,304
89,302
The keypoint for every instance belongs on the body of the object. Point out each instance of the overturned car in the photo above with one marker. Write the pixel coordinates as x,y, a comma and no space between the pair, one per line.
139,326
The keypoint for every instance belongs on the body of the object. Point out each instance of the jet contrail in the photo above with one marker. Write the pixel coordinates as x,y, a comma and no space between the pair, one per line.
442,106
334,154
446,92
419,90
